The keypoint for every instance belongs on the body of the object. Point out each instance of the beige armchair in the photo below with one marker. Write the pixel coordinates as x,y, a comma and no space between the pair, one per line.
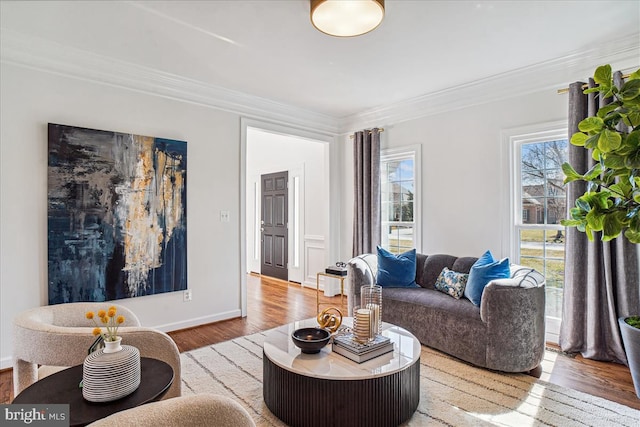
60,335
199,410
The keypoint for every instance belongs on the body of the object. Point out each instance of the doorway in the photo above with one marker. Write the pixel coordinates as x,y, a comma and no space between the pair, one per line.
274,236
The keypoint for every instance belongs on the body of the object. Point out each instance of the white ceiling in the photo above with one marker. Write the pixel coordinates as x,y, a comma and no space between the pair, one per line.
269,49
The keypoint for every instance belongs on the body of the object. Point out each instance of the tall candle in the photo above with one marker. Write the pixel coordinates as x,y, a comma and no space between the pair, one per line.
374,319
362,325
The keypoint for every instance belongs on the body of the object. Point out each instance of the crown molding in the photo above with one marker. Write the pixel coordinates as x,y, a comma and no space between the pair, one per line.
48,56
554,74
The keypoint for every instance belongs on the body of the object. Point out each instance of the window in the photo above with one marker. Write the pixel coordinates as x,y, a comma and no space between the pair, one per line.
538,203
399,175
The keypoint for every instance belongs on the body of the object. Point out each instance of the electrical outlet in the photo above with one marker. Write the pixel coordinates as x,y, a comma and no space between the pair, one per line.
224,216
186,296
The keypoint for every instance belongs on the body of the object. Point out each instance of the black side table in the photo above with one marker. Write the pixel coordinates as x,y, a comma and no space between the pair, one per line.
156,377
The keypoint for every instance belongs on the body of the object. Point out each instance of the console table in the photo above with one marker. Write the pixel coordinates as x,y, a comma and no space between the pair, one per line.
333,276
156,377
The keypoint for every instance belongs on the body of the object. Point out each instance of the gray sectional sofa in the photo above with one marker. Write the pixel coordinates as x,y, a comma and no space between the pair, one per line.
506,333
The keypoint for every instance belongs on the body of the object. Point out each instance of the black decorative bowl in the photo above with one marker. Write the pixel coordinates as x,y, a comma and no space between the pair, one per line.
310,340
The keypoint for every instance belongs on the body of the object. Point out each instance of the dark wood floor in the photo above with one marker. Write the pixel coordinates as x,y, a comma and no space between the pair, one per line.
271,303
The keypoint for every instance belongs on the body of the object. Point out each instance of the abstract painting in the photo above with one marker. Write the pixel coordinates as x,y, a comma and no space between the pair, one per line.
117,215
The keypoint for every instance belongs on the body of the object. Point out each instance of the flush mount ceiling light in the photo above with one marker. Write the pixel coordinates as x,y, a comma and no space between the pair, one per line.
346,18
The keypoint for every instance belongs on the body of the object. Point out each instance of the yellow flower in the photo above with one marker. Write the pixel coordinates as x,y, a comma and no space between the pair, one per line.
109,320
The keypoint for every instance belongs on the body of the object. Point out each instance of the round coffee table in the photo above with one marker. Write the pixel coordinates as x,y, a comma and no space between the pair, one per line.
327,389
156,377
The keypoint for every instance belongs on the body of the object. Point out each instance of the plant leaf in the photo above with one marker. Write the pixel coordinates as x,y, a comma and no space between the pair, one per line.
592,141
602,75
622,189
632,236
570,173
602,112
594,172
595,220
583,205
630,90
633,138
633,118
612,227
614,161
571,222
579,139
591,124
609,140
632,161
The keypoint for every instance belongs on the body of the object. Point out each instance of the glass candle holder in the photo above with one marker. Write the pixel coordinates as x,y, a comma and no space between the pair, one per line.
362,324
371,298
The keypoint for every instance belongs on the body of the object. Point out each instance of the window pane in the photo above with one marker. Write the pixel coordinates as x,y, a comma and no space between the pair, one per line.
556,210
531,243
393,174
555,154
407,212
398,193
535,210
543,203
400,238
533,156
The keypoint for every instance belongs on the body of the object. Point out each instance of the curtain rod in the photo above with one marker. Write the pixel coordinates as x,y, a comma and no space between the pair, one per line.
584,86
379,129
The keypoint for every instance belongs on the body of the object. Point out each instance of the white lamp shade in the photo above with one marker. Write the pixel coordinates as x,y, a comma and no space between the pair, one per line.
346,18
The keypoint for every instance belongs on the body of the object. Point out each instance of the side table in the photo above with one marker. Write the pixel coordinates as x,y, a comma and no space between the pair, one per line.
333,276
156,377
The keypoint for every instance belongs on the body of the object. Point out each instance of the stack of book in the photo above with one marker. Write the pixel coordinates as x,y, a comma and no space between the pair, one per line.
347,346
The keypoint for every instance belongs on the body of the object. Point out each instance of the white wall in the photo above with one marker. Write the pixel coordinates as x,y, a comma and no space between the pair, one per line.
464,173
269,152
30,99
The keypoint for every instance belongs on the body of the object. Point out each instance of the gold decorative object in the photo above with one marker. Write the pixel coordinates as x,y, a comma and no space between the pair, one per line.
328,320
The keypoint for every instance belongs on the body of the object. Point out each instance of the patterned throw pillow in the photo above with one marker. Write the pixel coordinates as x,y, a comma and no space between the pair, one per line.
451,282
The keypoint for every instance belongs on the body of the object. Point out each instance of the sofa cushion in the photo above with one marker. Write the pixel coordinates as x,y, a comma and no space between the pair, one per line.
432,267
398,271
451,282
430,299
485,269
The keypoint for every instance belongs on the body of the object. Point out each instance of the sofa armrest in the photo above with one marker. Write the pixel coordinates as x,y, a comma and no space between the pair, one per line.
361,270
514,316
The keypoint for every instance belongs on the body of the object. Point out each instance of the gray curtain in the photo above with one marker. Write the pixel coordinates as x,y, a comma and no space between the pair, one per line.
601,279
366,215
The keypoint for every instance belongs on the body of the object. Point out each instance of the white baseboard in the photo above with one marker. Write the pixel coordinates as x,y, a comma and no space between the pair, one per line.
197,321
6,362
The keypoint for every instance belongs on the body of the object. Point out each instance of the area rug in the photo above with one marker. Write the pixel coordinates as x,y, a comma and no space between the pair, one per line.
452,393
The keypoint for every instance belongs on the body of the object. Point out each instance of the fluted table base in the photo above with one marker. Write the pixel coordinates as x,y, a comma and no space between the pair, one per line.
300,400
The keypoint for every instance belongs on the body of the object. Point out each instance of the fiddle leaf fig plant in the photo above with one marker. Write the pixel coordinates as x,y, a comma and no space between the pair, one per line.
611,202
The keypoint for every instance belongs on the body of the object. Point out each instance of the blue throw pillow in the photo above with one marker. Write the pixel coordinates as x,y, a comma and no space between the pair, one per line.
482,272
396,271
